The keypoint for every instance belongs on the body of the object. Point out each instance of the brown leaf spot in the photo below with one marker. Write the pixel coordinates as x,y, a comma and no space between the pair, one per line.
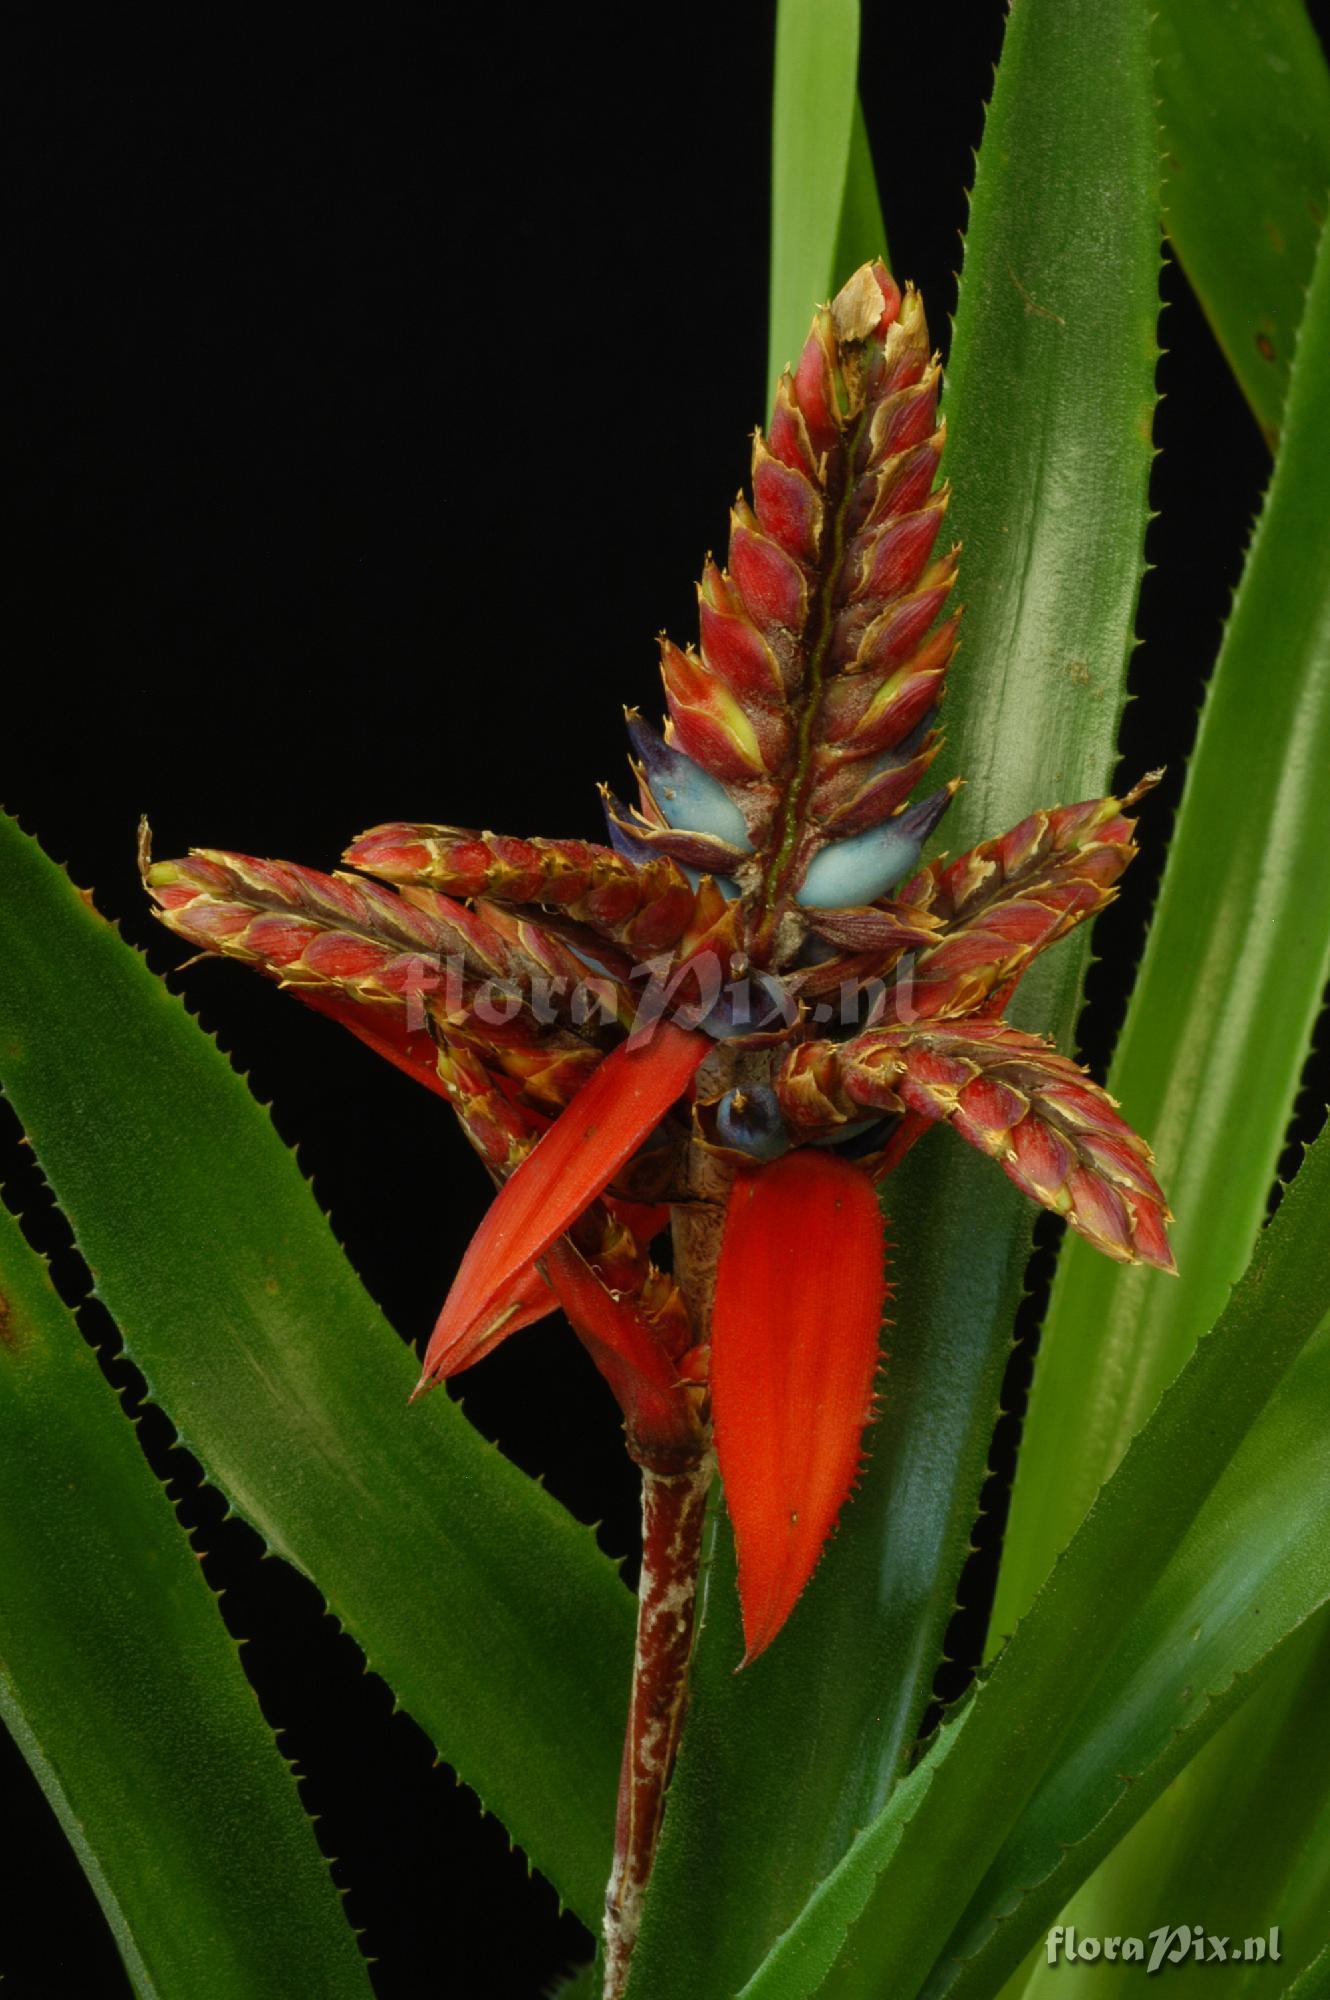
9,1339
1032,305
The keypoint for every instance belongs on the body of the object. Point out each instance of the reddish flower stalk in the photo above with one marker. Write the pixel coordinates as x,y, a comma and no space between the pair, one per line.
736,1018
674,1506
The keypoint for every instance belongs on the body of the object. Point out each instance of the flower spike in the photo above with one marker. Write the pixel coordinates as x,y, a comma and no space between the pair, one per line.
737,1016
815,666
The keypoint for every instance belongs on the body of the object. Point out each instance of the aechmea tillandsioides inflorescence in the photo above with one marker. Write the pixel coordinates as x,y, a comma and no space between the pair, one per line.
731,1021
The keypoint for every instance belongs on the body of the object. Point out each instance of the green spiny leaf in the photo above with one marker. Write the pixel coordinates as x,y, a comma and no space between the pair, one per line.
1245,102
125,1692
862,234
1241,1823
1224,1004
484,1605
823,197
1221,1629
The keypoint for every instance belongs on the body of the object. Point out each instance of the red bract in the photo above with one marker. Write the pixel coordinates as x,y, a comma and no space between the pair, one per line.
624,1100
804,1251
737,1016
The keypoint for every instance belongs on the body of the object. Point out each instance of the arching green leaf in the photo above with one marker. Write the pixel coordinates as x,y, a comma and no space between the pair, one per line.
825,216
1244,98
1222,1011
486,1608
125,1692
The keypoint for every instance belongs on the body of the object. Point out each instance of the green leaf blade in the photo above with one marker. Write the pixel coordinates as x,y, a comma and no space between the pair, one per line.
1314,1983
1245,103
820,169
126,1694
1221,1016
1232,1612
487,1609
1212,1842
1049,402
861,234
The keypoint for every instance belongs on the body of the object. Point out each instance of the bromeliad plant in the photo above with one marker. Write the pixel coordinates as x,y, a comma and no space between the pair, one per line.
695,1061
735,1019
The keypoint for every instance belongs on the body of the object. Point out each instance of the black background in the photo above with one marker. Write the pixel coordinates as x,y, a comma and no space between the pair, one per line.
382,377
